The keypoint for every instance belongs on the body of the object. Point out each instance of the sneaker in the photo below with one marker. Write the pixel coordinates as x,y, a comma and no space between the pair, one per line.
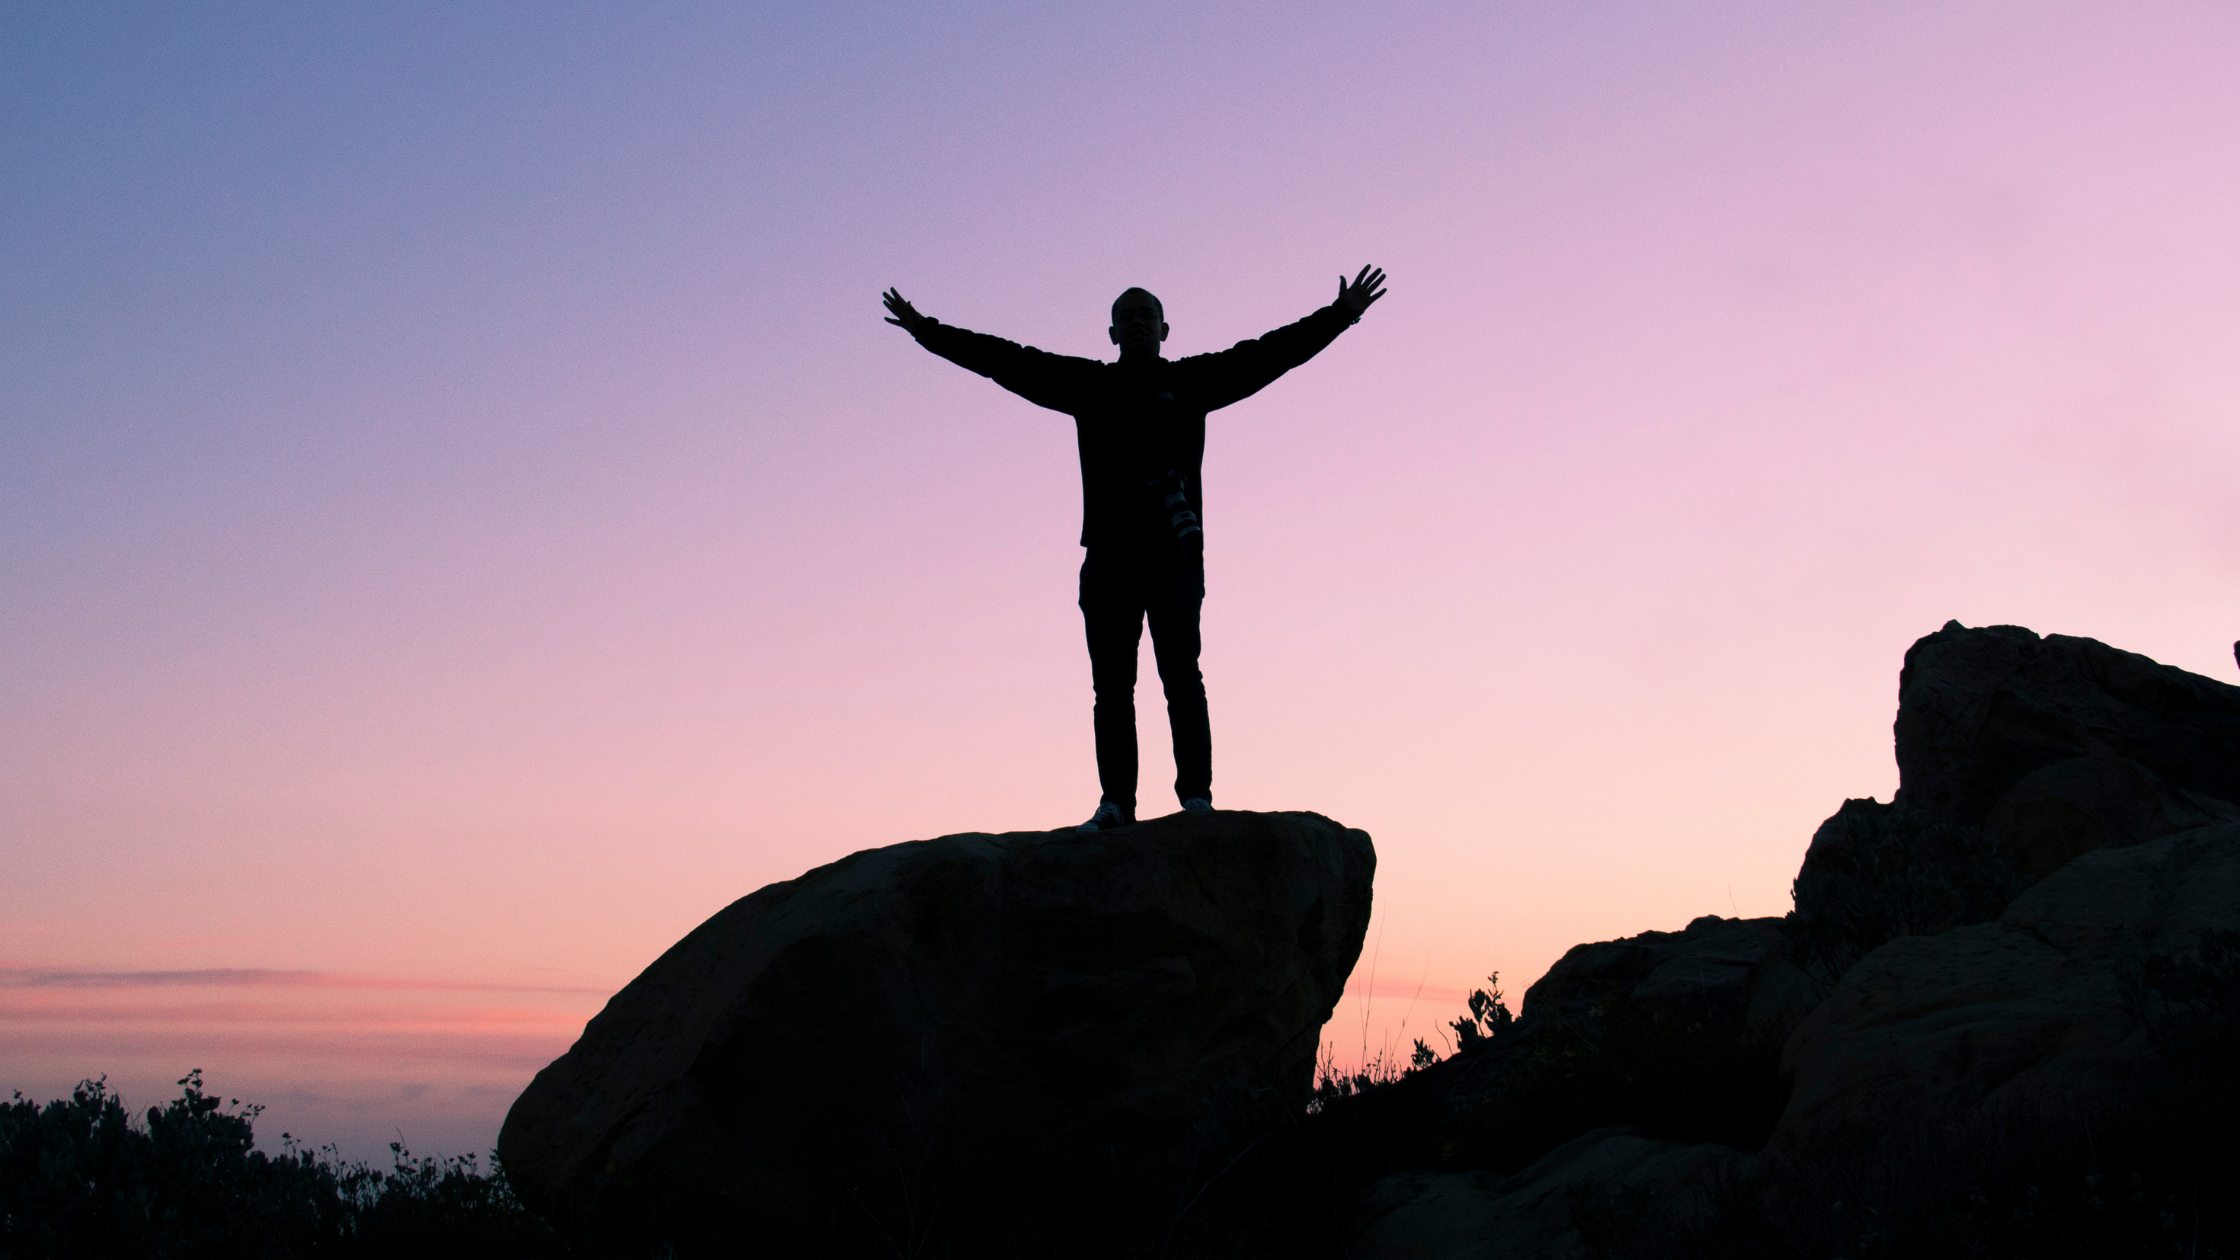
1197,805
1108,816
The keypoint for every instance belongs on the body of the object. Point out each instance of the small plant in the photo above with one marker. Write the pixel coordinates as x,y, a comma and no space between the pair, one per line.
1489,1017
1331,1084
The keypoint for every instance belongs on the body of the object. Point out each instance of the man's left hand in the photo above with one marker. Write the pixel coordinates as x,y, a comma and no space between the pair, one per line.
1366,288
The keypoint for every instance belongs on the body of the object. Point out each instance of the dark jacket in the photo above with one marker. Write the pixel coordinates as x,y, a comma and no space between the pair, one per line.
1137,418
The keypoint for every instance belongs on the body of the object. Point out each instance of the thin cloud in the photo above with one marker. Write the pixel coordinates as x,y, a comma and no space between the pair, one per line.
68,1007
1385,988
90,1049
260,977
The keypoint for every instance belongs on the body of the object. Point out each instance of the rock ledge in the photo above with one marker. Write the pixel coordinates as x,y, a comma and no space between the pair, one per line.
945,1007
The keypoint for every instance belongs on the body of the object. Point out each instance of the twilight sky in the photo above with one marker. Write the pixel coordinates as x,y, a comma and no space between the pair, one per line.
463,520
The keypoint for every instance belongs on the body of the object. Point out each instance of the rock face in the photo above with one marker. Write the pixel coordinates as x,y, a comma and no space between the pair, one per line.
2096,801
1664,1035
2046,915
2015,755
1718,981
1728,973
2027,1009
1982,710
952,1008
1549,1210
2062,807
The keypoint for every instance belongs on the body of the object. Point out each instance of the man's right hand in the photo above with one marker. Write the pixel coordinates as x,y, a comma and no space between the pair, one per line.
1366,288
903,315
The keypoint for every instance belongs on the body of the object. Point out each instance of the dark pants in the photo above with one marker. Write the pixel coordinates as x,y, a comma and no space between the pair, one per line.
1119,592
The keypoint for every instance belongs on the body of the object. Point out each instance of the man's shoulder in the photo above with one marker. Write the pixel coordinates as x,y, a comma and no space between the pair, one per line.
1194,366
952,334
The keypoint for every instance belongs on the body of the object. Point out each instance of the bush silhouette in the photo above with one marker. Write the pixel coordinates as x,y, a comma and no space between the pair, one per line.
83,1177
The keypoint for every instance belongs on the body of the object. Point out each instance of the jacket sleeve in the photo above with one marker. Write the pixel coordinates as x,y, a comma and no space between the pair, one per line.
1056,381
1246,368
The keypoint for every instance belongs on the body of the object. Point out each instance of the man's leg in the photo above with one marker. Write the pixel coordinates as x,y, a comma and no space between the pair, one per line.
1178,597
1112,613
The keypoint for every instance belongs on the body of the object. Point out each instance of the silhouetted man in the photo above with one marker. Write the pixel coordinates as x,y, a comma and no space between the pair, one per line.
1141,425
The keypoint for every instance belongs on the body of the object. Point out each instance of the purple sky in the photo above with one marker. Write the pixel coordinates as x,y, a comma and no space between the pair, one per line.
463,521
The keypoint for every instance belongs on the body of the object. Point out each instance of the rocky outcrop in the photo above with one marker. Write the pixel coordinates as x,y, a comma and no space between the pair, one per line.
1981,710
2044,921
2027,1010
1728,974
2097,801
1717,982
949,1012
1664,1035
2062,806
2016,754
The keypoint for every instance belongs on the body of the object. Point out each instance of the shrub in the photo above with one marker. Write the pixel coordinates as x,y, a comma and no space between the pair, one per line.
81,1177
1489,1017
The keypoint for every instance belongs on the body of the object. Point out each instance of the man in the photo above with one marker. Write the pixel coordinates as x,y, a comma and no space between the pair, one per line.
1141,426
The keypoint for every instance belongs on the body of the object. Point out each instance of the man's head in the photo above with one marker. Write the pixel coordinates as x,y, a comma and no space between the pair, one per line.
1139,322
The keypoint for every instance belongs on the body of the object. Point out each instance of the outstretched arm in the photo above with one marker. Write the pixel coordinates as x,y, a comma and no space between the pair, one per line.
1247,367
1048,380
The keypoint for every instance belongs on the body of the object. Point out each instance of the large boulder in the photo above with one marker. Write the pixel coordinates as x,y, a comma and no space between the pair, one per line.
2025,1011
1676,1033
1731,975
2015,755
2096,801
915,1020
1979,710
1875,872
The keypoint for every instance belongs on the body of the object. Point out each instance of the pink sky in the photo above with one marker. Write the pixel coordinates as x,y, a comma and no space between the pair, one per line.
463,522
